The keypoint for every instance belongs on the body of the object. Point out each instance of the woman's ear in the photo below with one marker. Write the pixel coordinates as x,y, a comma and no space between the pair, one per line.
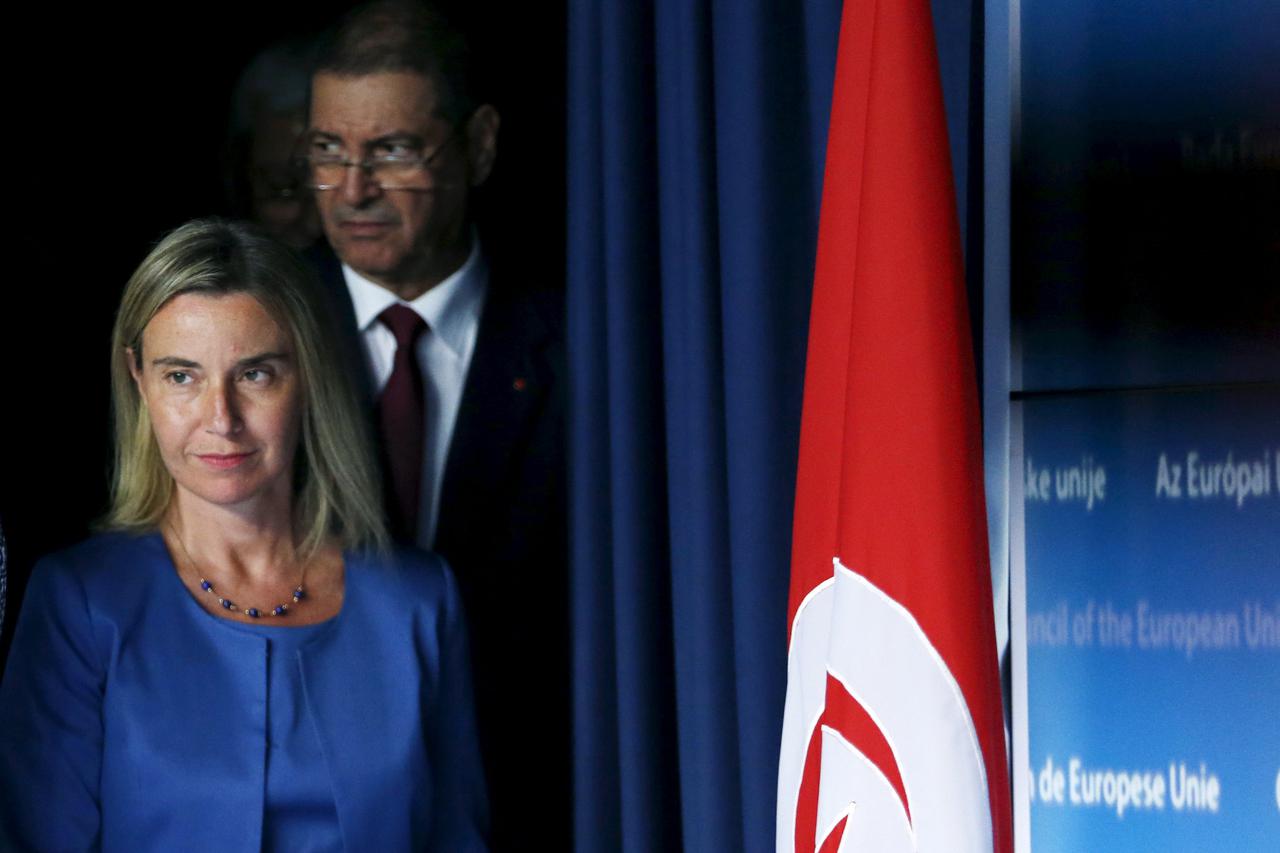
135,366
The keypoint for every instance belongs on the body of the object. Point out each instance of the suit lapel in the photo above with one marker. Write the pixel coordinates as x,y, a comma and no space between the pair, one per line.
506,383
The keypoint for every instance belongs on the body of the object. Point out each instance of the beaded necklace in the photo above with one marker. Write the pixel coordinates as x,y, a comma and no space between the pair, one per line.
299,592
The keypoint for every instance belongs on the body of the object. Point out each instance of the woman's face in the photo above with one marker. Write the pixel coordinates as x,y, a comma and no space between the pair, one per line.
221,385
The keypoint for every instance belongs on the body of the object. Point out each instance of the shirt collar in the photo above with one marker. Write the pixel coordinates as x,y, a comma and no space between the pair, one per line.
451,308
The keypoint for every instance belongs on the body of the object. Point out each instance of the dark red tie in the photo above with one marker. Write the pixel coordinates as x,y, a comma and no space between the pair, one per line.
401,415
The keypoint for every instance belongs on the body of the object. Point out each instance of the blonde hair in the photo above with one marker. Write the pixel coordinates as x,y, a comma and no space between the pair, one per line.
336,483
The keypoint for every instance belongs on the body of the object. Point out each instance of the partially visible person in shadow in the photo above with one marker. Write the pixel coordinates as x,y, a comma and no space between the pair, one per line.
240,662
268,116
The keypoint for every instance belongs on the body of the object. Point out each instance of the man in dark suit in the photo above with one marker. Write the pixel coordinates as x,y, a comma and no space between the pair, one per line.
465,371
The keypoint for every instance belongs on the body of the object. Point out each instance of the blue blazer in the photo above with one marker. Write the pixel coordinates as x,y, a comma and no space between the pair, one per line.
131,720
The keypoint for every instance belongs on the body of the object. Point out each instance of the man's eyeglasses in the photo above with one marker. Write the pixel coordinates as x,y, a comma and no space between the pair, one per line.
394,166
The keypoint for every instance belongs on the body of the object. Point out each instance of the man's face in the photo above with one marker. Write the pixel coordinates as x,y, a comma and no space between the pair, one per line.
396,236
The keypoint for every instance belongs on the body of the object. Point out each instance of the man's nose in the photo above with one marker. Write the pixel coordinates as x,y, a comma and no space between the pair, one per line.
358,184
223,413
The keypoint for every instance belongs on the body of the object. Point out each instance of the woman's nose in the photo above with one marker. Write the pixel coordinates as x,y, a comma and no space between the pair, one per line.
223,410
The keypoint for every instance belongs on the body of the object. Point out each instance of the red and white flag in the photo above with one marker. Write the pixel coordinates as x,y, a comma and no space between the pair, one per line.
893,737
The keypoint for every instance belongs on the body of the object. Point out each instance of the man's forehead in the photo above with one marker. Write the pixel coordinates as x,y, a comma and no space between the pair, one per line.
373,104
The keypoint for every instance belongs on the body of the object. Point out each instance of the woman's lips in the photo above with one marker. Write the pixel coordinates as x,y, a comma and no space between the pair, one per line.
223,461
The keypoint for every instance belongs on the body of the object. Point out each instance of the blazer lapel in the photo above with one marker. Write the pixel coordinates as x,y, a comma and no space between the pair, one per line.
353,708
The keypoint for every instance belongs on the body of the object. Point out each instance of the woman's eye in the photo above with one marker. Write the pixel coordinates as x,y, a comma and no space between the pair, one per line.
178,377
256,375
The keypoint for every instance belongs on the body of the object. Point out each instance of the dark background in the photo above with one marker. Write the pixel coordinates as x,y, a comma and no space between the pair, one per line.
1146,194
116,136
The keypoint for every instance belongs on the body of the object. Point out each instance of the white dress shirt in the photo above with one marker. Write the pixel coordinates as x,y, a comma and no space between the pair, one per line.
452,311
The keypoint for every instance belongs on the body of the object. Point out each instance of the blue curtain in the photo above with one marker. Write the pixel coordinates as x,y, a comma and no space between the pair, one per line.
696,138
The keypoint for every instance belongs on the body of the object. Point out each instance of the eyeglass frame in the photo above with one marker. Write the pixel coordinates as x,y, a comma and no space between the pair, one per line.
369,167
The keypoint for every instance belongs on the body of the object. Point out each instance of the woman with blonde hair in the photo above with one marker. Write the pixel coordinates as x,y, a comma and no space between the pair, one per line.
240,662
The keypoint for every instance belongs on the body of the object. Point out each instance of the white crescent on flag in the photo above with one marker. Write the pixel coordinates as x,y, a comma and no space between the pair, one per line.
851,631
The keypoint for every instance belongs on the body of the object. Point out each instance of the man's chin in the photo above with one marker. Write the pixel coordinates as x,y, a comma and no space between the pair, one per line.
371,261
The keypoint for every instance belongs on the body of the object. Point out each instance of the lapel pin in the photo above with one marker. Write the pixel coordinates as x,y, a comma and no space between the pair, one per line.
519,383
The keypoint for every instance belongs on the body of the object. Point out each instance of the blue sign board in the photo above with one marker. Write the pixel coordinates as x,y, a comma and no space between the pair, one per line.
1151,577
